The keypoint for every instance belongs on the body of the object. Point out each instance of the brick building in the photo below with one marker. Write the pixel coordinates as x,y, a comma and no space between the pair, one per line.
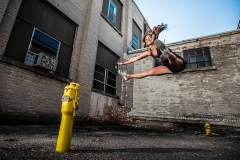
208,90
45,44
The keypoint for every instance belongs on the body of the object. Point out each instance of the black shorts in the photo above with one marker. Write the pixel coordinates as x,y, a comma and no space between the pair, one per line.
169,66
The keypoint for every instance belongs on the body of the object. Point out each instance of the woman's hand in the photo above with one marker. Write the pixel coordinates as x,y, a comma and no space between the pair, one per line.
120,63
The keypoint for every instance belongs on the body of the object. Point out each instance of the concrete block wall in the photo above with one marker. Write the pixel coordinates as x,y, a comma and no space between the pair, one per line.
197,95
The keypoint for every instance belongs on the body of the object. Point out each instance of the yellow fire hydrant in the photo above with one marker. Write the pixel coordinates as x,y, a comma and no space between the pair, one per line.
207,128
69,106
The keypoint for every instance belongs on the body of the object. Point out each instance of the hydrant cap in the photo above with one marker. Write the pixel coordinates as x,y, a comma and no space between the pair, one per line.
74,86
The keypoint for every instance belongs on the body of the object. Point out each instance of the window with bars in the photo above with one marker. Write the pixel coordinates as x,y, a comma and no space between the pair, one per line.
105,80
135,41
112,11
198,58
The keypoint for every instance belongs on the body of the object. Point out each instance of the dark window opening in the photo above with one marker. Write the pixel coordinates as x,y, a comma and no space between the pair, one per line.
105,75
42,35
198,58
105,80
112,10
136,36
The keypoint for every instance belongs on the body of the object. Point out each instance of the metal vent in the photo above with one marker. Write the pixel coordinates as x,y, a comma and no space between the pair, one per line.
42,60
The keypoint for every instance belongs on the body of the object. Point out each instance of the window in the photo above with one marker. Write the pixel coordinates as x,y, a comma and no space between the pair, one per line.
135,41
105,80
44,34
112,11
105,75
198,58
136,35
43,51
41,42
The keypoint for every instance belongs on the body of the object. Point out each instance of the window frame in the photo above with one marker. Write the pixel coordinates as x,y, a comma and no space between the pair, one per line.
133,44
46,56
188,54
30,43
115,11
105,82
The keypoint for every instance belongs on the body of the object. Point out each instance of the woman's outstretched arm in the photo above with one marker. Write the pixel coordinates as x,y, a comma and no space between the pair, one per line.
134,59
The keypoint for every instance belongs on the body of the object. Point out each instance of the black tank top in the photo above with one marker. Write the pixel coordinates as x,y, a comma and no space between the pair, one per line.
163,59
160,56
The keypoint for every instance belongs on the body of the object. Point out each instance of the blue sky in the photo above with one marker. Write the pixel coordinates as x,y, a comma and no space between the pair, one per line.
189,19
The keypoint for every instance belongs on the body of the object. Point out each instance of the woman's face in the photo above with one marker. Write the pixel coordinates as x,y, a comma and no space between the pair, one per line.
148,40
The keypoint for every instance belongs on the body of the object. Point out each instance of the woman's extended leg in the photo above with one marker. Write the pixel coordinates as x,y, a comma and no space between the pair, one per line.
154,71
175,62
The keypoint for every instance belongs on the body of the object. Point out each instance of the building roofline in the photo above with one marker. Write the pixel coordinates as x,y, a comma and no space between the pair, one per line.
140,12
222,34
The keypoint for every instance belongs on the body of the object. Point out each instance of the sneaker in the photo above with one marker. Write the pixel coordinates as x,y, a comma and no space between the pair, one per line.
123,74
162,47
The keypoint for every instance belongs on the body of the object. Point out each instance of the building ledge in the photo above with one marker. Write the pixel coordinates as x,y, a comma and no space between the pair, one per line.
33,69
193,120
119,32
200,69
104,93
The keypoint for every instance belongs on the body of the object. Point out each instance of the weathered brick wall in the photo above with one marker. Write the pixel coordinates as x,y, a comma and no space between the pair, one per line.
117,42
77,11
85,45
7,23
109,36
88,55
132,14
3,6
194,95
28,93
113,39
98,105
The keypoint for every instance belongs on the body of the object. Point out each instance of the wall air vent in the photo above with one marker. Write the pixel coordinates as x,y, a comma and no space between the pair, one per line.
42,60
45,61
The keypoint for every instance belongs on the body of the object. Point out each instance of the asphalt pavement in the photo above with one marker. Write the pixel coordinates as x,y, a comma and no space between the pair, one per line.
115,142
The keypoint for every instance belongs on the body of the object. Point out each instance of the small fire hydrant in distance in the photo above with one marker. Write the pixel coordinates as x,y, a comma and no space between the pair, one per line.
207,128
69,106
